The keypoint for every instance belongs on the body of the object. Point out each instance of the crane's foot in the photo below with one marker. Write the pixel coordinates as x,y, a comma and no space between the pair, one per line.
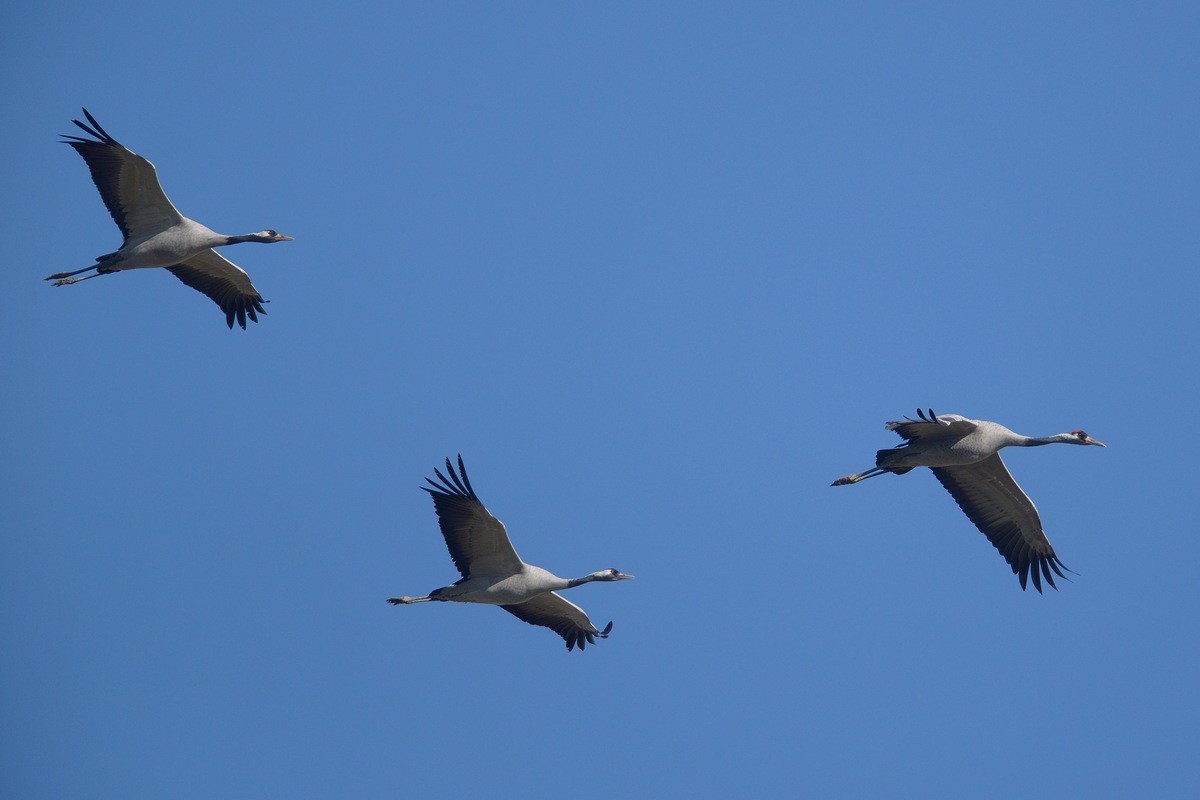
63,281
402,600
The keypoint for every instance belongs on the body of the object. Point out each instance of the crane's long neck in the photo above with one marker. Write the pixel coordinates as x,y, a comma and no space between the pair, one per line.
246,237
579,581
1038,441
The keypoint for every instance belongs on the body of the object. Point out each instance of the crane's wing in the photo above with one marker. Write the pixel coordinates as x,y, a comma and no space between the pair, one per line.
928,428
127,182
476,540
563,617
995,503
222,280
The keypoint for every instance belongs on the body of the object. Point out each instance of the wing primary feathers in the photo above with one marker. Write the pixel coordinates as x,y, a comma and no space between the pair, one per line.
99,132
89,131
1055,564
1047,574
437,488
95,124
454,477
448,486
466,480
445,486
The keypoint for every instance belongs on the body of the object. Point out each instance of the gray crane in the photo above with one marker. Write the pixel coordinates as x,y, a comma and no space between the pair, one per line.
494,574
156,234
964,455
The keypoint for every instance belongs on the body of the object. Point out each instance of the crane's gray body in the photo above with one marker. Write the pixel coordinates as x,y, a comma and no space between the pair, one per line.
963,441
502,589
164,248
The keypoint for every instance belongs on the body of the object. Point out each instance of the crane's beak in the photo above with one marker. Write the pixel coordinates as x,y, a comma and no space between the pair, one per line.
1090,440
621,576
279,237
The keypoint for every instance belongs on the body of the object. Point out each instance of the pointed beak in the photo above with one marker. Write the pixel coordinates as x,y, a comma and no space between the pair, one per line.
1090,440
621,576
279,237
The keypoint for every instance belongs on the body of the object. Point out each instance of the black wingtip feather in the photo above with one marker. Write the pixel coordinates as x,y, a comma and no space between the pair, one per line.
103,134
95,130
454,477
445,484
451,486
462,468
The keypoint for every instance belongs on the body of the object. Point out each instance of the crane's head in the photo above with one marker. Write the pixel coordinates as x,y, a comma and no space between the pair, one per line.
268,236
610,575
1079,437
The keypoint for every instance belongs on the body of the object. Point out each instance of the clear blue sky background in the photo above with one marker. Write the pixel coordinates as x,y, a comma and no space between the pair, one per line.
660,272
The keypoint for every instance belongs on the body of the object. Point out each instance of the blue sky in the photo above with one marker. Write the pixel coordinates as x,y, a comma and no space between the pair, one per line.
660,274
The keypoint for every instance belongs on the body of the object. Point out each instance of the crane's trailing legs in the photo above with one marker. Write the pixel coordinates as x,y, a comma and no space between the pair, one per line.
858,476
59,275
405,600
64,278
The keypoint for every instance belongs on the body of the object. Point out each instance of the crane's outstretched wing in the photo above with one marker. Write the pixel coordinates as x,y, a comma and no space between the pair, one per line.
563,617
946,426
222,280
127,182
477,541
995,503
